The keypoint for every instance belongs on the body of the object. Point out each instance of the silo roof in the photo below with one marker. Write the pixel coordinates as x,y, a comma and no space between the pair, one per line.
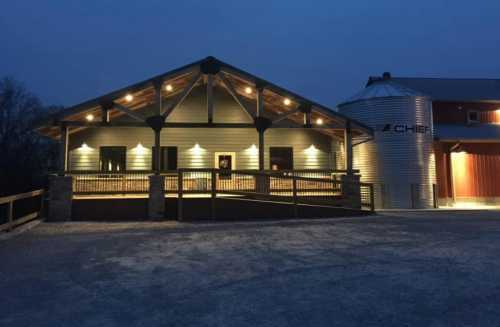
382,89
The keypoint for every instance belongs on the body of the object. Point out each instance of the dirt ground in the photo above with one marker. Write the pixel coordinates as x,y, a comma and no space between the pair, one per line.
395,269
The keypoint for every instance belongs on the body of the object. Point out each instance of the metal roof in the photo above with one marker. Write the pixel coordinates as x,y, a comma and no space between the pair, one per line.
381,89
475,132
449,89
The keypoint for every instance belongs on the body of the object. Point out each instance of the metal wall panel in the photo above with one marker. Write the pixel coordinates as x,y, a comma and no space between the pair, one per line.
400,158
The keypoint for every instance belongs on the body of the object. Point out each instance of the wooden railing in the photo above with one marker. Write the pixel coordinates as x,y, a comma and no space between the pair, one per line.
16,216
136,182
322,187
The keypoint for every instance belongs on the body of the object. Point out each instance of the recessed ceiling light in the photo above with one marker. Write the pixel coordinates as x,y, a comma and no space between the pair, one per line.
248,90
89,117
129,97
169,87
287,102
319,121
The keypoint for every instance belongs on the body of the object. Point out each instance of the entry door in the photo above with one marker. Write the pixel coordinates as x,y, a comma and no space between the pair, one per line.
225,161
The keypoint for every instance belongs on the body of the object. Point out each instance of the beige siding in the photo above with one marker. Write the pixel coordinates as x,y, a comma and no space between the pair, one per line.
311,150
194,108
197,146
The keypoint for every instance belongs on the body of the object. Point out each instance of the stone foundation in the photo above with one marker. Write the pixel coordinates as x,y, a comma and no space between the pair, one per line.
60,198
351,191
156,201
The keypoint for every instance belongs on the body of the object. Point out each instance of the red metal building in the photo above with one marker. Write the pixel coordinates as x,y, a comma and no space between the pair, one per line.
466,119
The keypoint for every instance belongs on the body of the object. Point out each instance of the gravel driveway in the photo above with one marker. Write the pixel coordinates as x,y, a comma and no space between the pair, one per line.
396,269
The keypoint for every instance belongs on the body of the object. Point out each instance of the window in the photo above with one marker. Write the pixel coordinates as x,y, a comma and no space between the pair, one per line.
113,158
472,116
281,158
168,158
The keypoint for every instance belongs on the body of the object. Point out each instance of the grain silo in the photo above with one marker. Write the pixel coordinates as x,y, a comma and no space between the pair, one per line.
399,159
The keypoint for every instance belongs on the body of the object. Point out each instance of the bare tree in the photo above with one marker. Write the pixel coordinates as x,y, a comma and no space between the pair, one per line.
24,155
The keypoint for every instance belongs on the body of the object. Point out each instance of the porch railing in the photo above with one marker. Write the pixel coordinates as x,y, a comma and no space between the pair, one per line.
322,187
20,208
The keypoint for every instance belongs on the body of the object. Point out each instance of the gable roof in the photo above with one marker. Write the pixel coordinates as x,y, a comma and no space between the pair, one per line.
448,89
144,92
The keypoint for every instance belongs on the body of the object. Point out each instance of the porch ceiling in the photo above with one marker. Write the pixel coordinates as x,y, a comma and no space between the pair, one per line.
177,80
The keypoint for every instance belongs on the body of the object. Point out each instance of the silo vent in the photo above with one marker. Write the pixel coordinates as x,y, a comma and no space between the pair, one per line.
386,75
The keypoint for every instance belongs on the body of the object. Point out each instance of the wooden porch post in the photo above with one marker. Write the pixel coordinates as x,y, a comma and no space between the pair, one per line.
210,98
105,115
157,153
63,150
261,150
157,126
348,147
260,101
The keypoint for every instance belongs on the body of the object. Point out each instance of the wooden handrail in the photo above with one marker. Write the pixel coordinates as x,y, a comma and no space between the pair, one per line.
11,223
20,196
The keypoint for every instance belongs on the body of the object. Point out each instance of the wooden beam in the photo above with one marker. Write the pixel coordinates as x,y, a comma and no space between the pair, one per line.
234,94
260,102
104,115
208,125
158,99
169,125
157,154
129,112
210,97
63,150
286,115
348,147
181,96
307,118
261,150
102,124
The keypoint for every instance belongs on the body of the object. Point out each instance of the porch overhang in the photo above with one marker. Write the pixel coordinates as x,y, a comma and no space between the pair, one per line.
173,86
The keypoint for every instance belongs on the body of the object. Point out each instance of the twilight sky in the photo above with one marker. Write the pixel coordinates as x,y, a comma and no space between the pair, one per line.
67,51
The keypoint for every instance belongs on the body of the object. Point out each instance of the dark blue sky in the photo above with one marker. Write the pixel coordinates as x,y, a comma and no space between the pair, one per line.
68,51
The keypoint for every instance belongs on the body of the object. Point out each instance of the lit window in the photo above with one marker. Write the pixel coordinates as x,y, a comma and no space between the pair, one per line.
168,158
113,158
281,158
472,116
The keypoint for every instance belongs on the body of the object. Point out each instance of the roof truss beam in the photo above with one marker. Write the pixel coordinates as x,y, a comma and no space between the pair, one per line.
181,96
129,112
230,88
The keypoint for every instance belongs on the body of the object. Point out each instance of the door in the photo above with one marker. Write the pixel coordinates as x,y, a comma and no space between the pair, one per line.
225,161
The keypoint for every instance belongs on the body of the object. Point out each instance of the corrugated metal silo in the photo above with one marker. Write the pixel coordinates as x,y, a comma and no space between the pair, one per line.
399,160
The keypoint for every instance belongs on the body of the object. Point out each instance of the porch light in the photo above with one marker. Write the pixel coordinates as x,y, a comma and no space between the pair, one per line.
248,90
311,151
253,150
129,97
287,102
84,146
169,88
319,121
140,149
89,117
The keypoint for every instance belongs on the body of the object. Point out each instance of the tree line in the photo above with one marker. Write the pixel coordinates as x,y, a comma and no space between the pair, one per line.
26,157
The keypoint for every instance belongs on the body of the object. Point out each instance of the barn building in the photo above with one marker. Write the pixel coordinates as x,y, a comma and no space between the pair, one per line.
436,141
